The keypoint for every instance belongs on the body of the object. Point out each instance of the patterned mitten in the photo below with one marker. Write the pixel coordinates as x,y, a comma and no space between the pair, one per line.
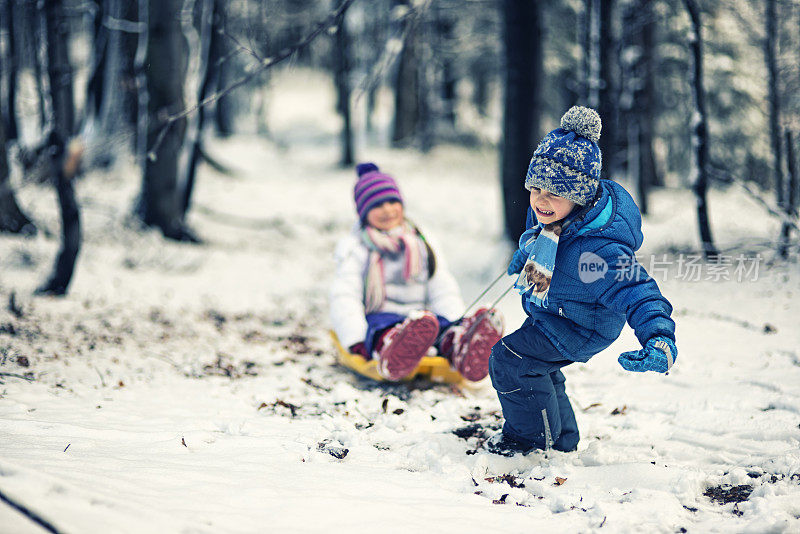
658,355
517,262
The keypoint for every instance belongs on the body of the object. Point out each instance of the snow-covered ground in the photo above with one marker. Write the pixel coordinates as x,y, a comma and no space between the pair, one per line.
192,388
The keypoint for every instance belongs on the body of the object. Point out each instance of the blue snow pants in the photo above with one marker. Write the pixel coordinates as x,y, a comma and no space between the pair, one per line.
525,369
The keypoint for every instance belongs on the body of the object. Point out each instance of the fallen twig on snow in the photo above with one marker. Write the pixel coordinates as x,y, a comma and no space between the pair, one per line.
27,512
13,307
27,376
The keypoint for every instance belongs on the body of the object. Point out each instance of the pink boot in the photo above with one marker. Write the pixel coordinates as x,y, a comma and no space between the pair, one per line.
473,342
400,348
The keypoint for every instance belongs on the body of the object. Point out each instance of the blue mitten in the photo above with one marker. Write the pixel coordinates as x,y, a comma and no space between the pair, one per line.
517,262
658,355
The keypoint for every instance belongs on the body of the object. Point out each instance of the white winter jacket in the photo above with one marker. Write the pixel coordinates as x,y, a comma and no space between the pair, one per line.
438,294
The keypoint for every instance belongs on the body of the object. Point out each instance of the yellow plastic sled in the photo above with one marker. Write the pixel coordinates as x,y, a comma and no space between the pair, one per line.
434,368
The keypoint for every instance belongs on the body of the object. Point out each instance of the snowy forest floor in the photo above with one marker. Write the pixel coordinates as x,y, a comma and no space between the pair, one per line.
192,388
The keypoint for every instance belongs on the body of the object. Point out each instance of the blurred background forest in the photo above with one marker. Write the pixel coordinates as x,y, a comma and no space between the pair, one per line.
692,93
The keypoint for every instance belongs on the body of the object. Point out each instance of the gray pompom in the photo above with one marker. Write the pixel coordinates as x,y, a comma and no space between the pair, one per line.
583,121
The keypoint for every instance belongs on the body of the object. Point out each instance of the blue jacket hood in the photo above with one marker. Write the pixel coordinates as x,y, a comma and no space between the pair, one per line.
612,214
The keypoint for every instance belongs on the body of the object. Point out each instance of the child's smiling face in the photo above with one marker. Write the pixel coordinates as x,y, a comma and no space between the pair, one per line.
386,215
548,207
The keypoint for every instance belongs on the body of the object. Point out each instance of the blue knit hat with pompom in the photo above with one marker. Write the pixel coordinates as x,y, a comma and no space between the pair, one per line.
567,162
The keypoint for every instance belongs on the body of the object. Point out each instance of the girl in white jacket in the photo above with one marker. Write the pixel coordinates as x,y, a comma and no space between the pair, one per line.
392,298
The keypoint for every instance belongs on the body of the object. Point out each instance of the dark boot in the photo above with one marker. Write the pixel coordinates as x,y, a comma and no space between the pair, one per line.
504,445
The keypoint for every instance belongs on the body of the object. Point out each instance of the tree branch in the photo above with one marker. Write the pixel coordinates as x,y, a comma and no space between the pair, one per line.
781,216
265,64
391,50
239,46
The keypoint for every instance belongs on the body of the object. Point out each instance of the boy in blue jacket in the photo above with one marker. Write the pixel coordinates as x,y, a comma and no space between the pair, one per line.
579,282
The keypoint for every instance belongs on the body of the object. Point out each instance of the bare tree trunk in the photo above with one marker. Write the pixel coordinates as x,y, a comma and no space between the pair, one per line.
65,159
34,25
629,86
378,29
12,62
480,73
166,65
341,62
700,132
607,98
406,95
792,194
523,79
646,101
426,94
770,56
117,69
59,70
94,87
637,96
12,219
128,96
225,110
590,41
445,26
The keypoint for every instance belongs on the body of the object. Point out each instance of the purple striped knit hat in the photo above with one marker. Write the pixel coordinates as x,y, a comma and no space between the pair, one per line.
372,188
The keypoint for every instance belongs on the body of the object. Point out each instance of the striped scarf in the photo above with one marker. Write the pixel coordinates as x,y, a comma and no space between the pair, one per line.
404,238
541,245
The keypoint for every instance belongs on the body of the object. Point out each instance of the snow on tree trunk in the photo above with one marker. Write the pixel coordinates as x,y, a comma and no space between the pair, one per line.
700,130
523,82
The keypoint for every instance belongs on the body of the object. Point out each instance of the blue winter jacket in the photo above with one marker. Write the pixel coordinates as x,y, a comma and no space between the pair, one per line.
597,283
